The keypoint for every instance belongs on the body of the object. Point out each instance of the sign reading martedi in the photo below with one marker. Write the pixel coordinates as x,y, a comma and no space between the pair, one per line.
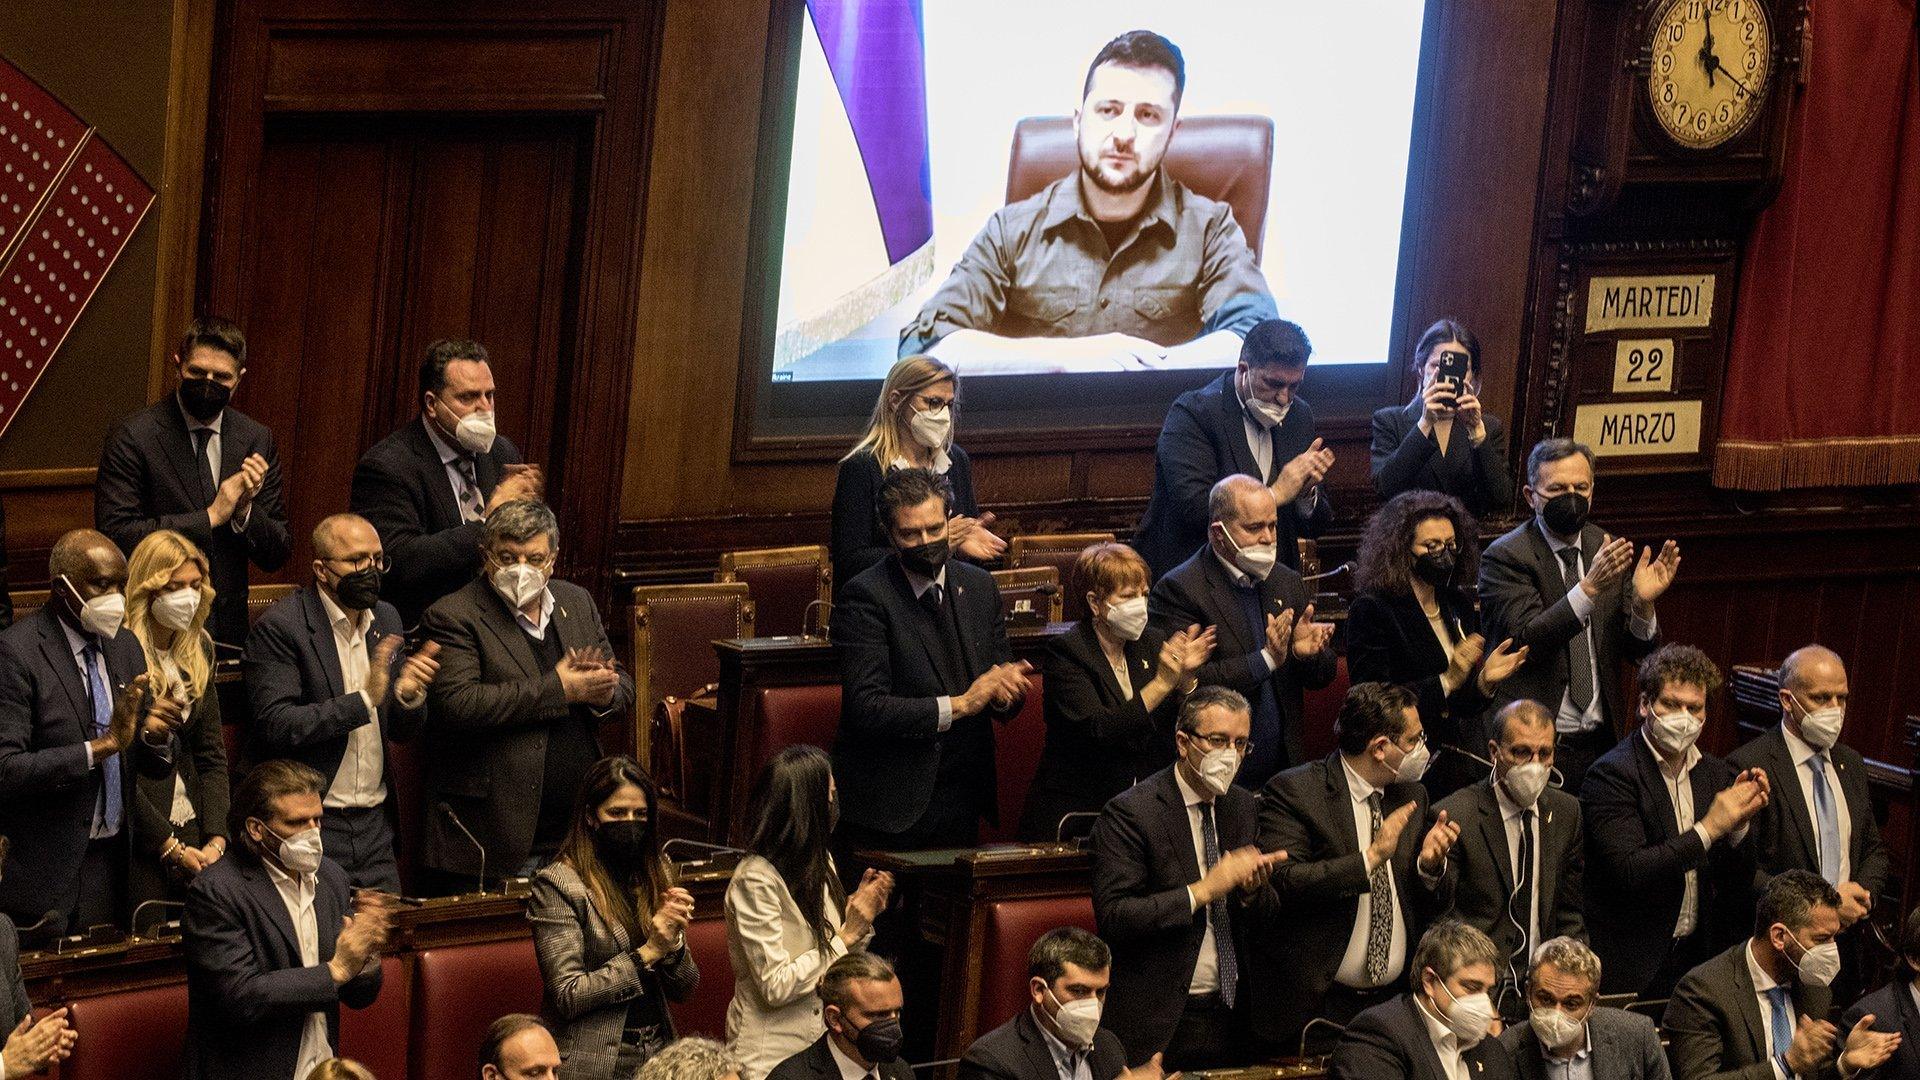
1620,429
1649,302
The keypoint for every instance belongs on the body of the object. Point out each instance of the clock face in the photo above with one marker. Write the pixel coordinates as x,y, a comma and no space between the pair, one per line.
1710,63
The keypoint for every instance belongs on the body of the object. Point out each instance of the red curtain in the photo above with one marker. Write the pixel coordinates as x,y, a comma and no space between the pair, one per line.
1823,385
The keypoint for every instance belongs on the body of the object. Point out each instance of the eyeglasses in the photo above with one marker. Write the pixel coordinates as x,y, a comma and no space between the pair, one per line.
1431,546
1217,741
362,562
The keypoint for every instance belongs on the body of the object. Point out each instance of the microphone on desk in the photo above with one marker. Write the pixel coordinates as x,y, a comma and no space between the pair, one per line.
52,924
134,922
701,844
1335,572
446,809
825,608
1318,1021
1060,827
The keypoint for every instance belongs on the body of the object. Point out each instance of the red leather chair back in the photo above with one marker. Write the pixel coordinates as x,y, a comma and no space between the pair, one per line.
783,583
705,1013
673,629
129,1033
1321,707
1225,158
378,1035
790,715
1012,928
1016,757
1060,551
458,991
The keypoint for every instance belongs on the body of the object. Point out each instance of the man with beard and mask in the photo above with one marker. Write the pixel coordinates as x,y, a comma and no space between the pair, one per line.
207,471
1364,871
263,1004
925,672
1441,1029
860,1002
1669,871
1760,1008
1568,1035
76,726
1177,883
1521,850
1562,587
1059,1035
1267,646
1115,267
427,486
329,686
1250,421
526,676
1821,818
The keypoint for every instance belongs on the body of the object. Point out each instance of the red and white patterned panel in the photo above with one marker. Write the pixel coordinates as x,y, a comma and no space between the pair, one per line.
37,137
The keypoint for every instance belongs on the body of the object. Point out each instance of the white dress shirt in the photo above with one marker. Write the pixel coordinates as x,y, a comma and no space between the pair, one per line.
1260,443
450,456
943,703
1510,815
180,811
1570,718
1068,1062
849,1068
238,522
297,894
1446,1046
1577,1066
360,782
1801,753
1353,966
536,627
1206,967
1763,982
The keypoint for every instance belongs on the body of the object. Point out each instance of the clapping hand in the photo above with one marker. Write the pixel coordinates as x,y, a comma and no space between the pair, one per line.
1865,1048
970,537
866,904
1305,470
1438,841
588,677
1466,656
1652,575
667,927
1184,653
1608,567
1502,662
36,1044
1309,637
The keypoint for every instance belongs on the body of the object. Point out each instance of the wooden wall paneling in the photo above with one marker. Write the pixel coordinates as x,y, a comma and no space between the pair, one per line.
182,181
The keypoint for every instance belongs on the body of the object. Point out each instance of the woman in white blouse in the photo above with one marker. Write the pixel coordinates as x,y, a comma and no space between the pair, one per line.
778,946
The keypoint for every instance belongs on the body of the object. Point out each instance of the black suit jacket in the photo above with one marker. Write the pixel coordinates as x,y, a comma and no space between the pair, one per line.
1203,441
1308,813
248,994
1637,863
301,709
1406,460
200,764
1200,591
886,755
488,712
401,486
1523,596
1486,873
1389,640
1892,1009
1390,1042
1017,1050
816,1063
1783,835
150,479
1713,1023
1098,742
47,791
1143,862
13,986
860,537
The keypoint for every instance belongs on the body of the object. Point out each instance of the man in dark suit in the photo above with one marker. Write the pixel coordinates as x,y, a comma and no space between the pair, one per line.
1250,421
75,728
1175,872
1438,1031
1562,587
1267,645
209,472
329,687
31,1045
925,671
1668,864
526,675
860,1003
1520,852
1895,1007
1058,1037
1759,1010
275,939
1567,1030
427,486
1364,870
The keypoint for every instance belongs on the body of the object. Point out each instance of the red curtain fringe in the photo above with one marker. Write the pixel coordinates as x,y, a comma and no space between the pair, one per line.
1841,462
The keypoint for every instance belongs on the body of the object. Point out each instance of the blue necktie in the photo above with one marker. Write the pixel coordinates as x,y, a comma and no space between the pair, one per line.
110,812
1826,820
1782,1025
1228,962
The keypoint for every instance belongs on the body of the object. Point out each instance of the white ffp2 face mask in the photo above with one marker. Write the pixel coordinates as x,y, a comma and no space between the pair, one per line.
1673,732
1078,1020
1525,782
1217,769
1127,618
1821,727
1413,764
175,610
1468,1017
301,852
519,583
475,431
1555,1029
102,615
933,427
1255,560
1819,965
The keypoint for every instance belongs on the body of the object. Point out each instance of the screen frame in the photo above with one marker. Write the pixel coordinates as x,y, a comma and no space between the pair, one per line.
818,421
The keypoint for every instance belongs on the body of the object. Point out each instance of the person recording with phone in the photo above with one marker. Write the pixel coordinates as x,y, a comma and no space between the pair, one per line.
1443,440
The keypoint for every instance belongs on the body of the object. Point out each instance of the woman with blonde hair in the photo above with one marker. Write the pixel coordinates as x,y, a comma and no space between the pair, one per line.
911,427
179,820
340,1069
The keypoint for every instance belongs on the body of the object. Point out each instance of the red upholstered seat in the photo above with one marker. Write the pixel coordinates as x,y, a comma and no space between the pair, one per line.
795,714
457,992
1012,928
1016,753
129,1033
705,1013
1322,706
378,1035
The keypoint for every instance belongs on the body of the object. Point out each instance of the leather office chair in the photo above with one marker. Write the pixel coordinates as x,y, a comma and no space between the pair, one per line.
785,583
1029,593
674,628
1060,551
1225,158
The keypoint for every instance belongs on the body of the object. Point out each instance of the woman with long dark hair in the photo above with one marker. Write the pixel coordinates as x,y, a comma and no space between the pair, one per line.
609,931
1413,623
1442,440
788,917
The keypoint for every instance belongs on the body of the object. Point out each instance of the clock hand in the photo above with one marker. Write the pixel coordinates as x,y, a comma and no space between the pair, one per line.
1728,72
1707,59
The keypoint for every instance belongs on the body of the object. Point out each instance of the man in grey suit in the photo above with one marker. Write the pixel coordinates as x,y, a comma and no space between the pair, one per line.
526,676
1568,1036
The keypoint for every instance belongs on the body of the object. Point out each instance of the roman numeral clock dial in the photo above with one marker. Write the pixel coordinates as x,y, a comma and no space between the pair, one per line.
1710,62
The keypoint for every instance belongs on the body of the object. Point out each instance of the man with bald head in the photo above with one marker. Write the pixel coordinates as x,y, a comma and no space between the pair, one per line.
1269,646
329,686
75,726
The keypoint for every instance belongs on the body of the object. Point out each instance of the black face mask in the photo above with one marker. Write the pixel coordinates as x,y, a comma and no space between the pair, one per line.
1434,567
1566,512
359,590
879,1042
623,845
926,559
203,398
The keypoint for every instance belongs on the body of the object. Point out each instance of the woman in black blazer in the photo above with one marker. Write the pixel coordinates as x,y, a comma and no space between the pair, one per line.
1441,440
1106,730
1412,623
912,425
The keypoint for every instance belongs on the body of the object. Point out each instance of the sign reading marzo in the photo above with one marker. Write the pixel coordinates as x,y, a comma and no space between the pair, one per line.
1649,301
1626,428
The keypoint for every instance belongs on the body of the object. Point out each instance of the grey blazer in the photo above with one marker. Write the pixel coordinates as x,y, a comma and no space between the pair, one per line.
592,970
1626,1046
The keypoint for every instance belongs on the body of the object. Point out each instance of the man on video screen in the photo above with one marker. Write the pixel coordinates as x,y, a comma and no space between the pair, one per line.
1116,267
